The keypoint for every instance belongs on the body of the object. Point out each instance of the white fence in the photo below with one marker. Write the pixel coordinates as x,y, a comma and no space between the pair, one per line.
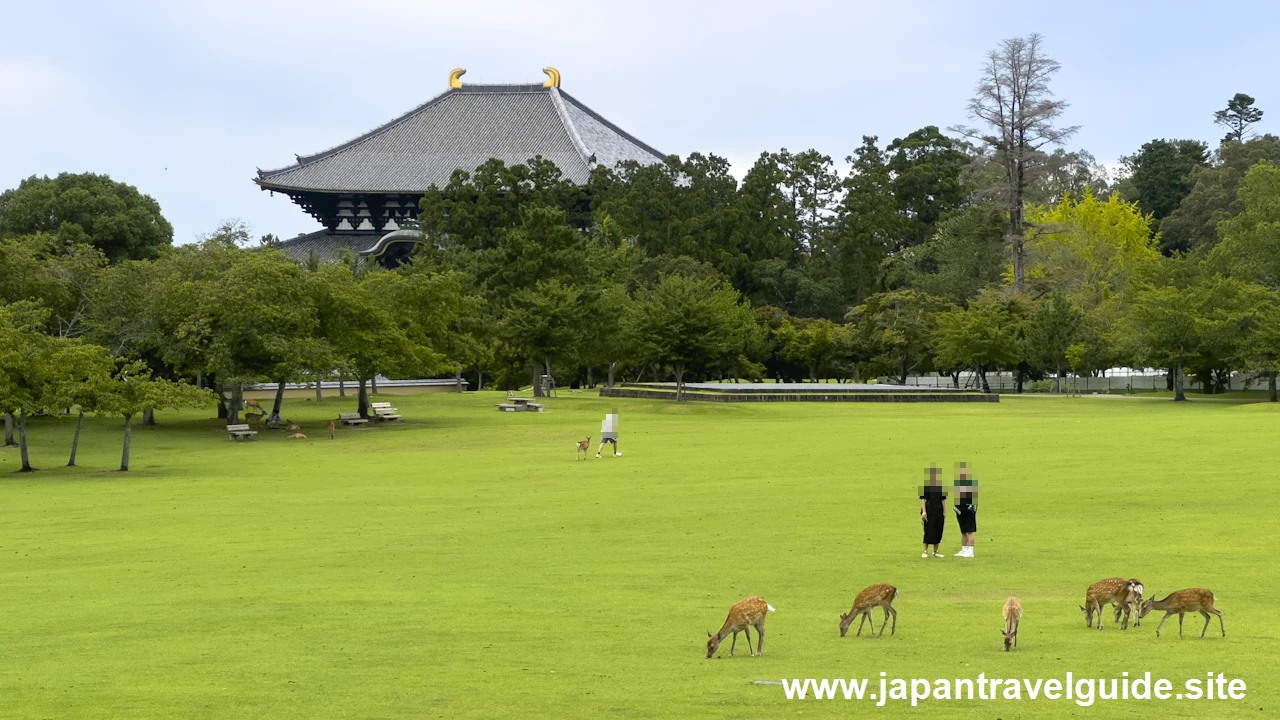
1113,381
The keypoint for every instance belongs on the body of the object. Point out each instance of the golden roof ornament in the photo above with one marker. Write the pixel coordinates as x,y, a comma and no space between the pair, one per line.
553,77
455,77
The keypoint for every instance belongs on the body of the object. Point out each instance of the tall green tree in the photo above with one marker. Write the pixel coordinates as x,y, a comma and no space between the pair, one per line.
987,335
1237,116
896,331
1054,327
1213,198
133,391
543,323
868,225
87,209
1250,245
927,170
687,323
1161,175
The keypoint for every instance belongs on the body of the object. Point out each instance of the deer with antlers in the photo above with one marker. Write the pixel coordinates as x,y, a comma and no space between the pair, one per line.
1190,600
584,447
874,596
1012,618
744,614
1111,591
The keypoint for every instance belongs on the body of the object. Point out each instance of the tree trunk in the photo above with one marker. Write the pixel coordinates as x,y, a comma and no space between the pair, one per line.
551,380
813,373
457,379
1016,238
148,417
1057,380
362,404
75,439
279,403
199,379
955,379
614,364
319,390
22,441
373,381
342,387
1271,387
902,371
8,430
679,373
128,436
537,381
982,374
1178,394
479,380
590,381
233,409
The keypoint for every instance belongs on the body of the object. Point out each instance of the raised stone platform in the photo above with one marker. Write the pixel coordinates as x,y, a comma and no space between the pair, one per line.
795,392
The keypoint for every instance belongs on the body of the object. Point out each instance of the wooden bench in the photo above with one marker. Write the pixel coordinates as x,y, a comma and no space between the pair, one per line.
239,432
352,419
384,411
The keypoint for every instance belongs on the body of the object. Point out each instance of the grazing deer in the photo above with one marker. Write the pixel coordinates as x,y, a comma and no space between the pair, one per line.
1190,600
254,418
1012,618
331,428
1133,601
745,614
511,393
1111,591
291,426
297,436
584,447
254,404
874,596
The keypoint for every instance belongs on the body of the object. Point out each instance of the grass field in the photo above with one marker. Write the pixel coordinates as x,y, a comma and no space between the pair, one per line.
463,565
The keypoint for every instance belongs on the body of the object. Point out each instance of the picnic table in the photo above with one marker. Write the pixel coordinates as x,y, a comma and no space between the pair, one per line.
239,432
520,405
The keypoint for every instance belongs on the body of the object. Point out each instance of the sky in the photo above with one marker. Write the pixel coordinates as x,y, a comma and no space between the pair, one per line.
185,100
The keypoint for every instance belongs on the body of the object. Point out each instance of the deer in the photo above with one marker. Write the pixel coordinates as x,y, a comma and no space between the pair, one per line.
873,596
584,447
254,418
1190,600
292,426
331,428
296,436
1012,618
1111,591
744,614
254,404
511,393
1133,601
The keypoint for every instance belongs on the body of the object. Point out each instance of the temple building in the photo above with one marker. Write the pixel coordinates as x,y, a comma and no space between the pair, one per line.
365,191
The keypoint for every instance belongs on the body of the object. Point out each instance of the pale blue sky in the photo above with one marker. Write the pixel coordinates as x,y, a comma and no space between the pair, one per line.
185,100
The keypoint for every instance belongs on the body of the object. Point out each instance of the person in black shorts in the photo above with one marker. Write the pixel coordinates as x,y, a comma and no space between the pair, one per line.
933,513
964,502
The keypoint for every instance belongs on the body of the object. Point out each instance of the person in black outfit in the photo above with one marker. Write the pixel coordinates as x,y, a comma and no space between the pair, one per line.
965,503
933,513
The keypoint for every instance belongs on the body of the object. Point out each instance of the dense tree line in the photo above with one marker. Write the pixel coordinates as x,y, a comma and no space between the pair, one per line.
983,249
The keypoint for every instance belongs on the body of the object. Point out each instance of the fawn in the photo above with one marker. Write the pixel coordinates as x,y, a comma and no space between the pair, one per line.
1192,599
292,426
584,447
1111,591
254,418
331,427
745,614
1012,618
873,596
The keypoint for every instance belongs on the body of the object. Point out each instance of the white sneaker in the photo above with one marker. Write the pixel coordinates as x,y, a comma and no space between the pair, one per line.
968,551
962,552
924,555
597,455
938,554
617,454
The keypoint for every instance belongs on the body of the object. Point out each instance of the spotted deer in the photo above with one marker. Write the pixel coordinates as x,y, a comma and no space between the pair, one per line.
331,428
584,447
1133,601
1012,618
874,596
254,418
1111,591
254,404
1190,600
745,614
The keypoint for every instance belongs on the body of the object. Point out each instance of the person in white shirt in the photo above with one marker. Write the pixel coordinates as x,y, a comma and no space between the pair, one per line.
609,433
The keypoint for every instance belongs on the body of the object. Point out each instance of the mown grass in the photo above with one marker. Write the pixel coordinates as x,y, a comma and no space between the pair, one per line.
462,564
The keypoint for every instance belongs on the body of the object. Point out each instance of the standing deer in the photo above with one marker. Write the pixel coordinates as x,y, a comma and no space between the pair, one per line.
331,428
584,447
254,404
745,614
1192,599
1111,591
873,596
1133,601
1012,618
254,418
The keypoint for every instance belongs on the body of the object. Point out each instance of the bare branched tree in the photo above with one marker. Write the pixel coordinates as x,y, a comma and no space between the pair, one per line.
1015,104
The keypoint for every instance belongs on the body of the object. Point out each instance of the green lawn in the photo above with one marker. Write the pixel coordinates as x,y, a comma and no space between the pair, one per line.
462,564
